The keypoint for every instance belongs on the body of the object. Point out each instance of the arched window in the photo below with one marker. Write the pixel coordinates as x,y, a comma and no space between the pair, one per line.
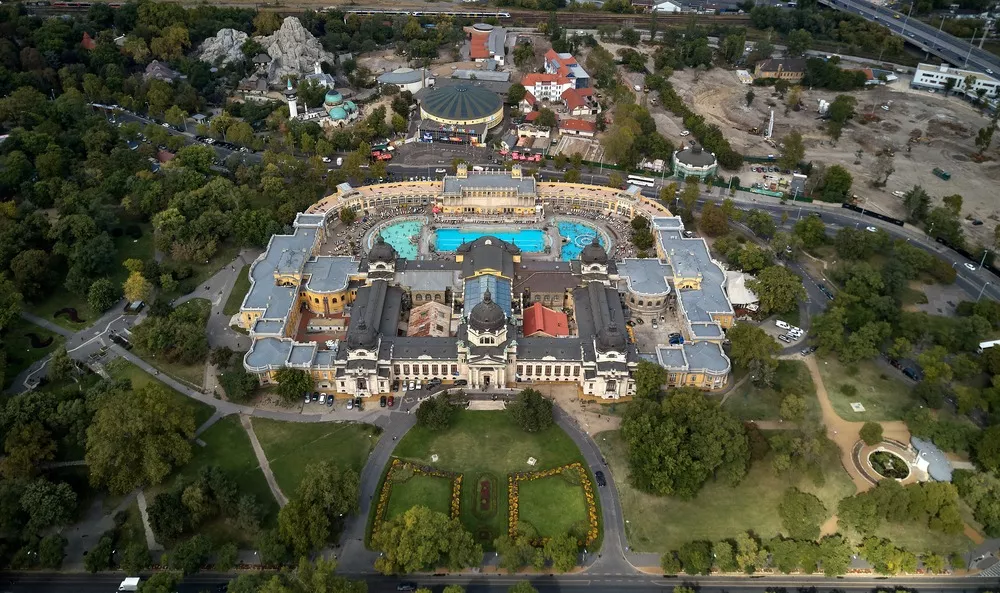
420,297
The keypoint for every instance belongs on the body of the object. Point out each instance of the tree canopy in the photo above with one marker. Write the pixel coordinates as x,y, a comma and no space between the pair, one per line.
420,539
531,411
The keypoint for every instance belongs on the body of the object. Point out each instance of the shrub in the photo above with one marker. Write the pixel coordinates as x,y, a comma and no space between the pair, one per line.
871,433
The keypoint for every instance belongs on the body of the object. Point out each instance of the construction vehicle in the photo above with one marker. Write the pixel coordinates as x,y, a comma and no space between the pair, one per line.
942,173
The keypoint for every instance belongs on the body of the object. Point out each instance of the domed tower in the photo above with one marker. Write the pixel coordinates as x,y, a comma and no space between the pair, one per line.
293,106
611,339
487,322
594,261
382,257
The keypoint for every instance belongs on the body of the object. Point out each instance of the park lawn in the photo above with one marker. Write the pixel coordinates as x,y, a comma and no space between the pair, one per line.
240,289
291,446
192,374
429,491
133,531
718,511
228,448
126,248
123,369
884,392
17,346
553,506
483,442
202,271
753,402
912,295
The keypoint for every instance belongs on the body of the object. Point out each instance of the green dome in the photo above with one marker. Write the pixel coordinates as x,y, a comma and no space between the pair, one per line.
333,97
338,113
461,102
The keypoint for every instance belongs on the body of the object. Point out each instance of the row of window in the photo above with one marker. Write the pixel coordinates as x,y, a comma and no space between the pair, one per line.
419,297
424,370
548,370
641,302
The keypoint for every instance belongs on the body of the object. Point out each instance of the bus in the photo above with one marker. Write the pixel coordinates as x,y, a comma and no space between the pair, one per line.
641,181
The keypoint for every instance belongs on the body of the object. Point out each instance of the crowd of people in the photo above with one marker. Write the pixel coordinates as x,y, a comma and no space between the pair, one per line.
348,240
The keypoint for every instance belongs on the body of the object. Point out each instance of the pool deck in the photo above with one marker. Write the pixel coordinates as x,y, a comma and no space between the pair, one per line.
549,226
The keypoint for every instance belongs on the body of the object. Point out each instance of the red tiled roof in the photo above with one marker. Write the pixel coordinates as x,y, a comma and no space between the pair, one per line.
530,98
88,42
572,99
542,319
165,156
479,45
530,80
532,116
578,125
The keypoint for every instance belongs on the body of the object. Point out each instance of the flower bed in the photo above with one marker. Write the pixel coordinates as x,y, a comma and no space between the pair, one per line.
400,466
588,491
485,504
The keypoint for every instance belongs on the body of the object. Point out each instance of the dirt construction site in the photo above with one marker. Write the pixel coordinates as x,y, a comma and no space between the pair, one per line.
942,129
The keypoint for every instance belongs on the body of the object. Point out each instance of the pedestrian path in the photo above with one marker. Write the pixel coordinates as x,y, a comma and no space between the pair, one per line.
262,460
151,542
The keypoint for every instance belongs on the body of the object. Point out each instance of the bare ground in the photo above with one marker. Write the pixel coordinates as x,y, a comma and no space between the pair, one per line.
947,128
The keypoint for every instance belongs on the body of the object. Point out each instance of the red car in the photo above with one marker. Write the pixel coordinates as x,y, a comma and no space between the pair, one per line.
392,401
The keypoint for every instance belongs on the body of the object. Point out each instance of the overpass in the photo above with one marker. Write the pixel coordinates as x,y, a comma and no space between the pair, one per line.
933,41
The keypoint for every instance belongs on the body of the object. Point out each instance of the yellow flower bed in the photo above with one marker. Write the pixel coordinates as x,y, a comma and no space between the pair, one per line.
423,470
588,491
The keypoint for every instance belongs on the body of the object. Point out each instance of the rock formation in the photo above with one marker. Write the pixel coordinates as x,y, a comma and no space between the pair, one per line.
293,51
226,47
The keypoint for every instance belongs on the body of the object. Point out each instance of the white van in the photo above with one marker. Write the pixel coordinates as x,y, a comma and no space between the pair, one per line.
478,168
782,324
130,584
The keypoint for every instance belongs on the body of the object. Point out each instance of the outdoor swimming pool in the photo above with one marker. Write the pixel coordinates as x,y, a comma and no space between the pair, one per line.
578,236
527,240
403,237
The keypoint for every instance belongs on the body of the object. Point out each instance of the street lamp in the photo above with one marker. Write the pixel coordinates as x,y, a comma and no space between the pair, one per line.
983,261
981,291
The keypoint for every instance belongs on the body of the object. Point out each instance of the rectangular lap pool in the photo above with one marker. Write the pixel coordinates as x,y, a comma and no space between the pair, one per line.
527,240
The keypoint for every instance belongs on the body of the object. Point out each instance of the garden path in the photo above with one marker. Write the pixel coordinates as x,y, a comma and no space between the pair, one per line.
151,542
265,467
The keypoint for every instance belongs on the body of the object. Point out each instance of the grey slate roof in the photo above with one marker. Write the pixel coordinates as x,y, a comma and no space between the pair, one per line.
597,306
267,352
696,356
427,264
690,258
487,252
270,327
461,102
438,349
695,156
671,357
532,349
646,276
375,311
401,76
329,273
301,354
706,331
939,468
453,185
428,279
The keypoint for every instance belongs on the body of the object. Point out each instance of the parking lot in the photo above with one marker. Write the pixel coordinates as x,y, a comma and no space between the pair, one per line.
775,331
769,177
647,337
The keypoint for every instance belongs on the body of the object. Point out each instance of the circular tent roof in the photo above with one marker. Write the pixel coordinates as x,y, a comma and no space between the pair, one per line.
695,156
487,315
461,102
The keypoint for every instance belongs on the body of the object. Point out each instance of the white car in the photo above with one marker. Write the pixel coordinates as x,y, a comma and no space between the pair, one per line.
165,125
970,266
413,385
350,404
885,108
685,133
322,398
439,171
404,385
899,194
326,159
871,229
308,399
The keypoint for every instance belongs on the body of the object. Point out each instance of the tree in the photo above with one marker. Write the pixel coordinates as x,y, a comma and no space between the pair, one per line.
293,383
531,411
190,555
669,563
517,551
793,407
630,37
562,551
226,557
801,514
696,557
987,449
135,558
649,379
811,231
942,222
136,288
749,555
871,433
725,556
516,93
51,551
47,504
953,203
546,118
750,343
793,152
884,168
137,438
714,221
30,272
421,538
836,184
271,547
916,202
522,587
761,223
436,413
348,215
842,109
26,444
750,96
61,366
324,496
161,582
778,289
266,23
676,445
798,42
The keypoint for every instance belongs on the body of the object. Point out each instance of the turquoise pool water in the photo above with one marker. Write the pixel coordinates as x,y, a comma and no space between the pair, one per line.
527,240
402,236
578,236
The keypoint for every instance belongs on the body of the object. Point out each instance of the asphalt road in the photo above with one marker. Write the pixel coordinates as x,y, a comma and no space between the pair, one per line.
927,38
493,583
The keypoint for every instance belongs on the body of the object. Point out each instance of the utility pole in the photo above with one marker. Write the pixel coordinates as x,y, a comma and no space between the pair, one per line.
971,45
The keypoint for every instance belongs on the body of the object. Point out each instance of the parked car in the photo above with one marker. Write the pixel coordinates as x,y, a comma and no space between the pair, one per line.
357,403
412,385
784,338
382,401
315,397
461,382
329,402
406,586
392,401
308,399
911,373
322,398
433,382
599,476
350,404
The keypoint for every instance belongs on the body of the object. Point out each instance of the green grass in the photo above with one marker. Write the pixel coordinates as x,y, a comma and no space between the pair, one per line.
752,402
122,369
429,491
192,374
228,448
553,506
488,442
240,289
126,248
132,530
719,511
885,393
17,346
913,296
291,446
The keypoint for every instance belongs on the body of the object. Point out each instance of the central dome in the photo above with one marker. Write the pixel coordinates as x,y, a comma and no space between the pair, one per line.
594,253
610,339
382,252
487,315
461,103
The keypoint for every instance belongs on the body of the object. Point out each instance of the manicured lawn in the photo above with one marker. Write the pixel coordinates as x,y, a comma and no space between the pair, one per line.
553,506
918,538
127,248
291,446
17,344
192,374
481,442
240,289
884,392
751,402
419,490
228,448
122,369
655,523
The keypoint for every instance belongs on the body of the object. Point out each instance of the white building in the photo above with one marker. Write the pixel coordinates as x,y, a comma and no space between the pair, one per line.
666,7
407,79
929,76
